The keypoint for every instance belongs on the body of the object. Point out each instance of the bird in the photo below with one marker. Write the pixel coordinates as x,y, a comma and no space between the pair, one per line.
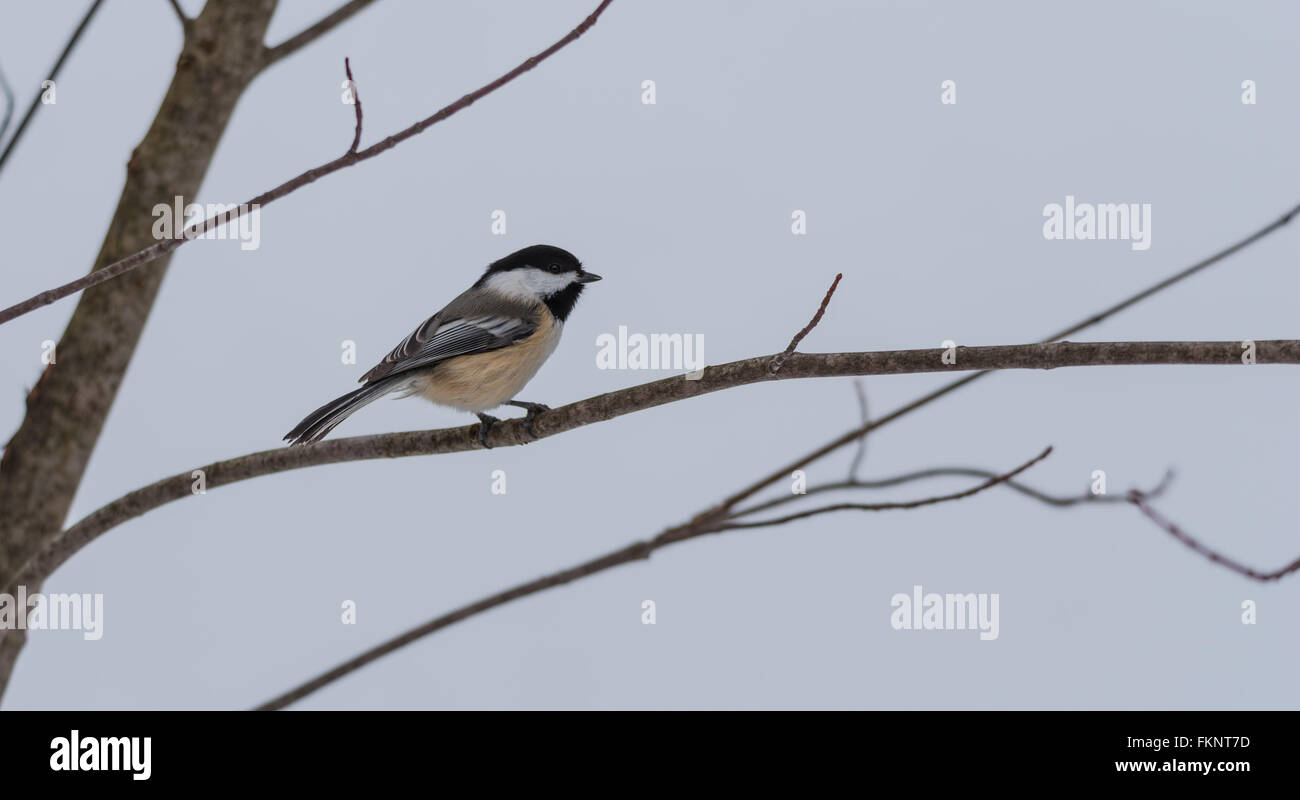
480,350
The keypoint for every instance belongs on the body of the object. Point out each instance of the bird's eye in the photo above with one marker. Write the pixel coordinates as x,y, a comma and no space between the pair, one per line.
554,268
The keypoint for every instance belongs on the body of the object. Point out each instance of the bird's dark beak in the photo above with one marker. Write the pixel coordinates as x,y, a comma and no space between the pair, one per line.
588,277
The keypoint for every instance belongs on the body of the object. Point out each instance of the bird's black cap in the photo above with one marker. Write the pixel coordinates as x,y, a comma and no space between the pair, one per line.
549,259
542,256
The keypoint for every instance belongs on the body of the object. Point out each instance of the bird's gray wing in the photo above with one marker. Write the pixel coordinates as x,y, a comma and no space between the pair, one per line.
465,326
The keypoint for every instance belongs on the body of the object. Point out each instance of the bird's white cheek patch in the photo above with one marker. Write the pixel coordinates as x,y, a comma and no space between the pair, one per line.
529,284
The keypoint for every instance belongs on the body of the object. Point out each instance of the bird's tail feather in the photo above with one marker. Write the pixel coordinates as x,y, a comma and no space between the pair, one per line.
316,425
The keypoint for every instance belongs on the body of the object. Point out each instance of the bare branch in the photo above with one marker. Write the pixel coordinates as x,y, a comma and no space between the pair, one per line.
298,41
637,551
1086,498
1138,499
807,329
139,259
928,501
356,101
648,395
36,101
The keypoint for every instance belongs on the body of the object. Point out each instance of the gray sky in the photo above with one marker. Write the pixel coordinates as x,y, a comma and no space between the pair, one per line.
933,213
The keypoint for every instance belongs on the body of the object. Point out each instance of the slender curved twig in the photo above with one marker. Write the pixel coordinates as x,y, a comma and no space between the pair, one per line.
928,501
54,72
807,329
1139,499
1058,501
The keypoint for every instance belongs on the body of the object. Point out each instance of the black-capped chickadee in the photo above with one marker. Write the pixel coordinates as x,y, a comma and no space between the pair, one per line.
480,350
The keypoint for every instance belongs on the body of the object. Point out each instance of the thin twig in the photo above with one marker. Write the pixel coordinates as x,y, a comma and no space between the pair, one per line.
136,260
1138,499
807,329
298,41
928,501
1086,498
36,101
356,101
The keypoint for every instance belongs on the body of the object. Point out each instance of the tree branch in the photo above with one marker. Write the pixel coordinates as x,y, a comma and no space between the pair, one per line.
637,551
1139,499
947,472
298,41
139,259
625,401
36,101
928,501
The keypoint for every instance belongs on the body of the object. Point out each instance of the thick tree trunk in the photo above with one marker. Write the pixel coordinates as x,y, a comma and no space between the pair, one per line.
43,463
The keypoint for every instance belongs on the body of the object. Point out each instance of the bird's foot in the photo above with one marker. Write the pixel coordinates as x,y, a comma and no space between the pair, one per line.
533,410
485,423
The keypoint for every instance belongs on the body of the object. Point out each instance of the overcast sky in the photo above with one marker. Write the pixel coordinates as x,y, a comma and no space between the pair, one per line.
933,212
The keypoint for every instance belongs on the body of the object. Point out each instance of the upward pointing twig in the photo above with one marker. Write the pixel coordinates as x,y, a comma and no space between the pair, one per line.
356,101
807,329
